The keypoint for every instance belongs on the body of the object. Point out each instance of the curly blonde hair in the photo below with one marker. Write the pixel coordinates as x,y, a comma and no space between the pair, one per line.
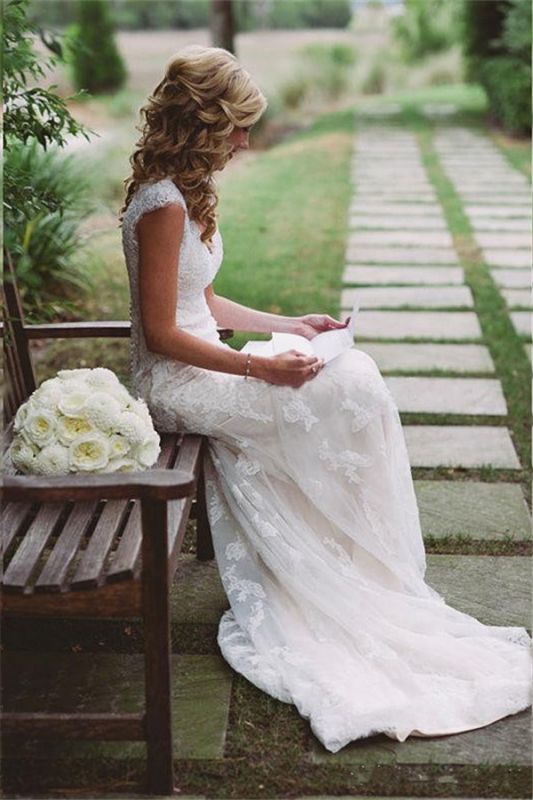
203,96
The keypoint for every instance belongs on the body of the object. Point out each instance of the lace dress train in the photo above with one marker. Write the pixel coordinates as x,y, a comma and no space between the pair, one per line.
317,538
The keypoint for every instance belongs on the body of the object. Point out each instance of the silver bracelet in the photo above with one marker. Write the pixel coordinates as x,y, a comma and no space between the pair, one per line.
248,363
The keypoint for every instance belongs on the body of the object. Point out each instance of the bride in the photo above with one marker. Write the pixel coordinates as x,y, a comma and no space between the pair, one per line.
310,497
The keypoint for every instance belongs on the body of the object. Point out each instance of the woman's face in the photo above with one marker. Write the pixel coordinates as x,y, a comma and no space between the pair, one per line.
239,138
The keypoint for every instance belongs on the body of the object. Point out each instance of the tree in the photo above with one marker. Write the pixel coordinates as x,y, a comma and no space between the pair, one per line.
222,24
96,61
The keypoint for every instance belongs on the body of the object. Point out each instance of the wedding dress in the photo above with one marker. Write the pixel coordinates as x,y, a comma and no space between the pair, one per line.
317,537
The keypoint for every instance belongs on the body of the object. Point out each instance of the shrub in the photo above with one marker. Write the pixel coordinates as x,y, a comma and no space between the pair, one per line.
309,14
292,93
425,27
96,62
375,80
507,82
497,48
42,234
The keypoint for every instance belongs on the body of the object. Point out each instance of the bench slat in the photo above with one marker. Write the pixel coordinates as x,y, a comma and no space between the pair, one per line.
92,562
13,519
53,577
127,554
30,549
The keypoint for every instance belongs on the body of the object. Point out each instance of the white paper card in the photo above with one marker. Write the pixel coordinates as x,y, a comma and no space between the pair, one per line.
326,345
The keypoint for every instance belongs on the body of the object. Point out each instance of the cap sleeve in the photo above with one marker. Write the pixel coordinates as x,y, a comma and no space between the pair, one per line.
151,196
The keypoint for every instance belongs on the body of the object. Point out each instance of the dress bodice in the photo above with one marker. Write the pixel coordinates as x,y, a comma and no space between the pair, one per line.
197,267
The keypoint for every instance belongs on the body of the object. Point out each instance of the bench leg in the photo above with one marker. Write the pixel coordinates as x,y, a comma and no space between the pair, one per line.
204,539
156,616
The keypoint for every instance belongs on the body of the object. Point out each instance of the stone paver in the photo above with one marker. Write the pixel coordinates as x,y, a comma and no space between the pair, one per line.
517,298
489,511
514,198
397,196
403,275
400,222
405,255
201,688
504,239
494,589
500,224
521,322
512,278
496,257
505,742
407,296
480,396
462,358
446,325
407,238
395,209
195,597
460,446
506,211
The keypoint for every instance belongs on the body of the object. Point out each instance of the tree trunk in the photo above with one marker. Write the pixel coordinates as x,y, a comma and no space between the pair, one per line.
222,24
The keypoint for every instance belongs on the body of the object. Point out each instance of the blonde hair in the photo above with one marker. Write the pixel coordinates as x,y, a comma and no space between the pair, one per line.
204,94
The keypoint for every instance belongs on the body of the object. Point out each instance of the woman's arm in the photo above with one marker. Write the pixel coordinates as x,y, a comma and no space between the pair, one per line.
159,234
229,314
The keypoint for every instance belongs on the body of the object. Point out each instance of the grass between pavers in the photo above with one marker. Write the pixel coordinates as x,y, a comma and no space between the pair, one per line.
278,774
512,365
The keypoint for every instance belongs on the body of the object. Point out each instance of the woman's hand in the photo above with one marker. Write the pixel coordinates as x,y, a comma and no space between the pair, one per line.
311,324
290,368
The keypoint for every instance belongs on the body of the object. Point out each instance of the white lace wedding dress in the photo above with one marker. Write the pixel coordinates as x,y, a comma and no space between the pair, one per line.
317,537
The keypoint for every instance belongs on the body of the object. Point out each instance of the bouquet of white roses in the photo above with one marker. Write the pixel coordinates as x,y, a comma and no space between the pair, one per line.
83,420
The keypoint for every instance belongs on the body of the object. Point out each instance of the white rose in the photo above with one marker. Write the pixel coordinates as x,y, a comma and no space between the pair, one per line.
102,410
122,465
22,455
102,378
119,445
72,404
21,415
89,452
147,452
73,374
52,460
132,427
40,427
69,428
140,408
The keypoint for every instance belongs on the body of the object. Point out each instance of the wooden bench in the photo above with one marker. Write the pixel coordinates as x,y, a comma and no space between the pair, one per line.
98,546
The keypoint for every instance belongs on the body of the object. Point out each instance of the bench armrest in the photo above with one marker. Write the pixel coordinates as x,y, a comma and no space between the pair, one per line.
91,330
155,484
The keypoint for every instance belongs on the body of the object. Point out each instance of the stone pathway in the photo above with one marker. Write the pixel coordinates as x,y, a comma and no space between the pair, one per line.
503,231
419,322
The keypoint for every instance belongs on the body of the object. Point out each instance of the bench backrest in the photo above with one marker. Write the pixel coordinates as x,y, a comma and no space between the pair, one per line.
19,381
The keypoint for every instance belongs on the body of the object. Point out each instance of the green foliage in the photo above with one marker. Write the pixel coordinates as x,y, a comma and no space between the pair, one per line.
41,194
507,81
425,27
482,25
497,48
160,15
324,73
42,234
96,62
32,112
309,14
375,80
